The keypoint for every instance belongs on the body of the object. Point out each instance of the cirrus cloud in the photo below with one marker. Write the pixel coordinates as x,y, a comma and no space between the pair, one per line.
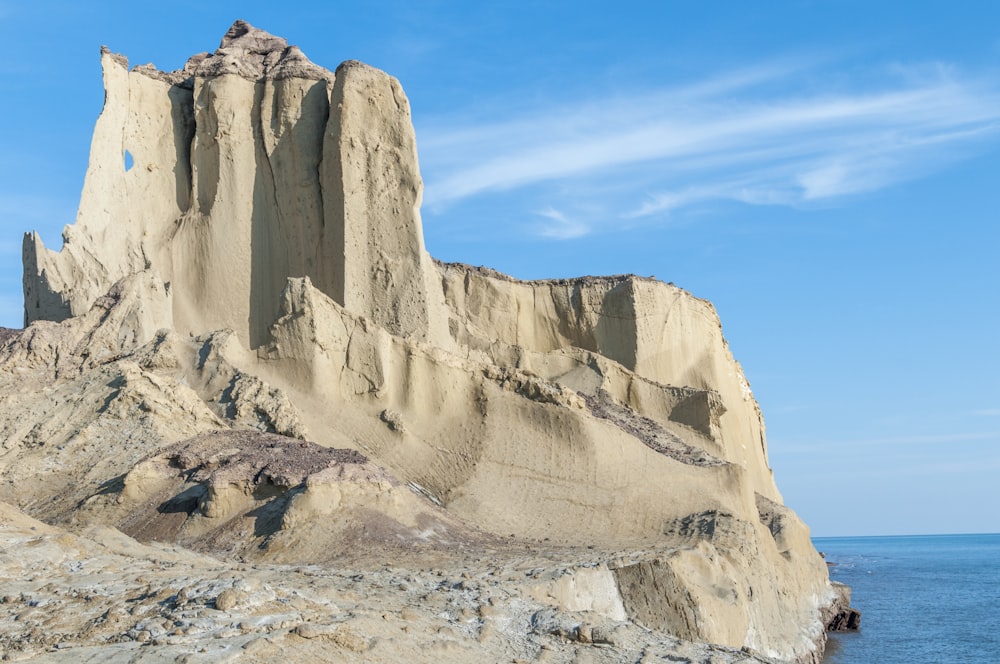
751,136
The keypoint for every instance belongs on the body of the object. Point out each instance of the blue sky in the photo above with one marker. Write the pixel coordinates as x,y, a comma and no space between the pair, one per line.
826,173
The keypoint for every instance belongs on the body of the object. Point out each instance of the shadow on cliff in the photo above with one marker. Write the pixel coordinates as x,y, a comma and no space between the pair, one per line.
182,116
287,219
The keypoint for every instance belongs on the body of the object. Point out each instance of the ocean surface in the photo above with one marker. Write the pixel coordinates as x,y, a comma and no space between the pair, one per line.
923,599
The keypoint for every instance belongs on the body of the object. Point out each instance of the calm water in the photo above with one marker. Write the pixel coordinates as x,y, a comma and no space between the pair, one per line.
923,599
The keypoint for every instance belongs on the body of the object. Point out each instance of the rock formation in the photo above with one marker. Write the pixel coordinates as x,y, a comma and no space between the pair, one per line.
253,276
251,162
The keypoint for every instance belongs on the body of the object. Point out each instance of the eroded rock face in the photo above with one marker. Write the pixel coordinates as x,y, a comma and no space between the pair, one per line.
265,496
251,161
258,279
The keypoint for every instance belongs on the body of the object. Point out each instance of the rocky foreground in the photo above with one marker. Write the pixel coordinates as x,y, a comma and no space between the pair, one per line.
250,418
100,596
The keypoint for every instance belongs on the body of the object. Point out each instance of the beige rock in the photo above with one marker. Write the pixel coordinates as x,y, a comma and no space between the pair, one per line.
246,169
587,589
370,171
228,599
349,639
259,277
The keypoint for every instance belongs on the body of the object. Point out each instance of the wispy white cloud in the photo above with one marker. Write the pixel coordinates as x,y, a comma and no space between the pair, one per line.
748,136
559,226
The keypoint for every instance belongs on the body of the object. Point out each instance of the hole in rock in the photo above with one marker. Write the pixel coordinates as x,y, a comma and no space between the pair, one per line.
129,161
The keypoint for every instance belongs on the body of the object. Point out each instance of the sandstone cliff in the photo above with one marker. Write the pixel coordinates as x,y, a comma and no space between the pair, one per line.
260,265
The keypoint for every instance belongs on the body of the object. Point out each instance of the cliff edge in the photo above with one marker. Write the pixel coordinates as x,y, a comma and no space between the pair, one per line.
244,348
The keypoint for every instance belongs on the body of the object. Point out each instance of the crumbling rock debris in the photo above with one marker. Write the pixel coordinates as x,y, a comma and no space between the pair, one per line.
651,433
251,458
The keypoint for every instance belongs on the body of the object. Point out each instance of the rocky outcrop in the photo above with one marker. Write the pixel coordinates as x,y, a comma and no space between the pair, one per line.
265,496
662,335
250,162
839,615
96,595
243,347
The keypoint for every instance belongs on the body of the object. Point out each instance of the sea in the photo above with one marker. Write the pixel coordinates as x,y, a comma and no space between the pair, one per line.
931,599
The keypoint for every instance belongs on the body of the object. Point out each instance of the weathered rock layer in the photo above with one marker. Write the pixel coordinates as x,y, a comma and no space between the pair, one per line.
248,254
